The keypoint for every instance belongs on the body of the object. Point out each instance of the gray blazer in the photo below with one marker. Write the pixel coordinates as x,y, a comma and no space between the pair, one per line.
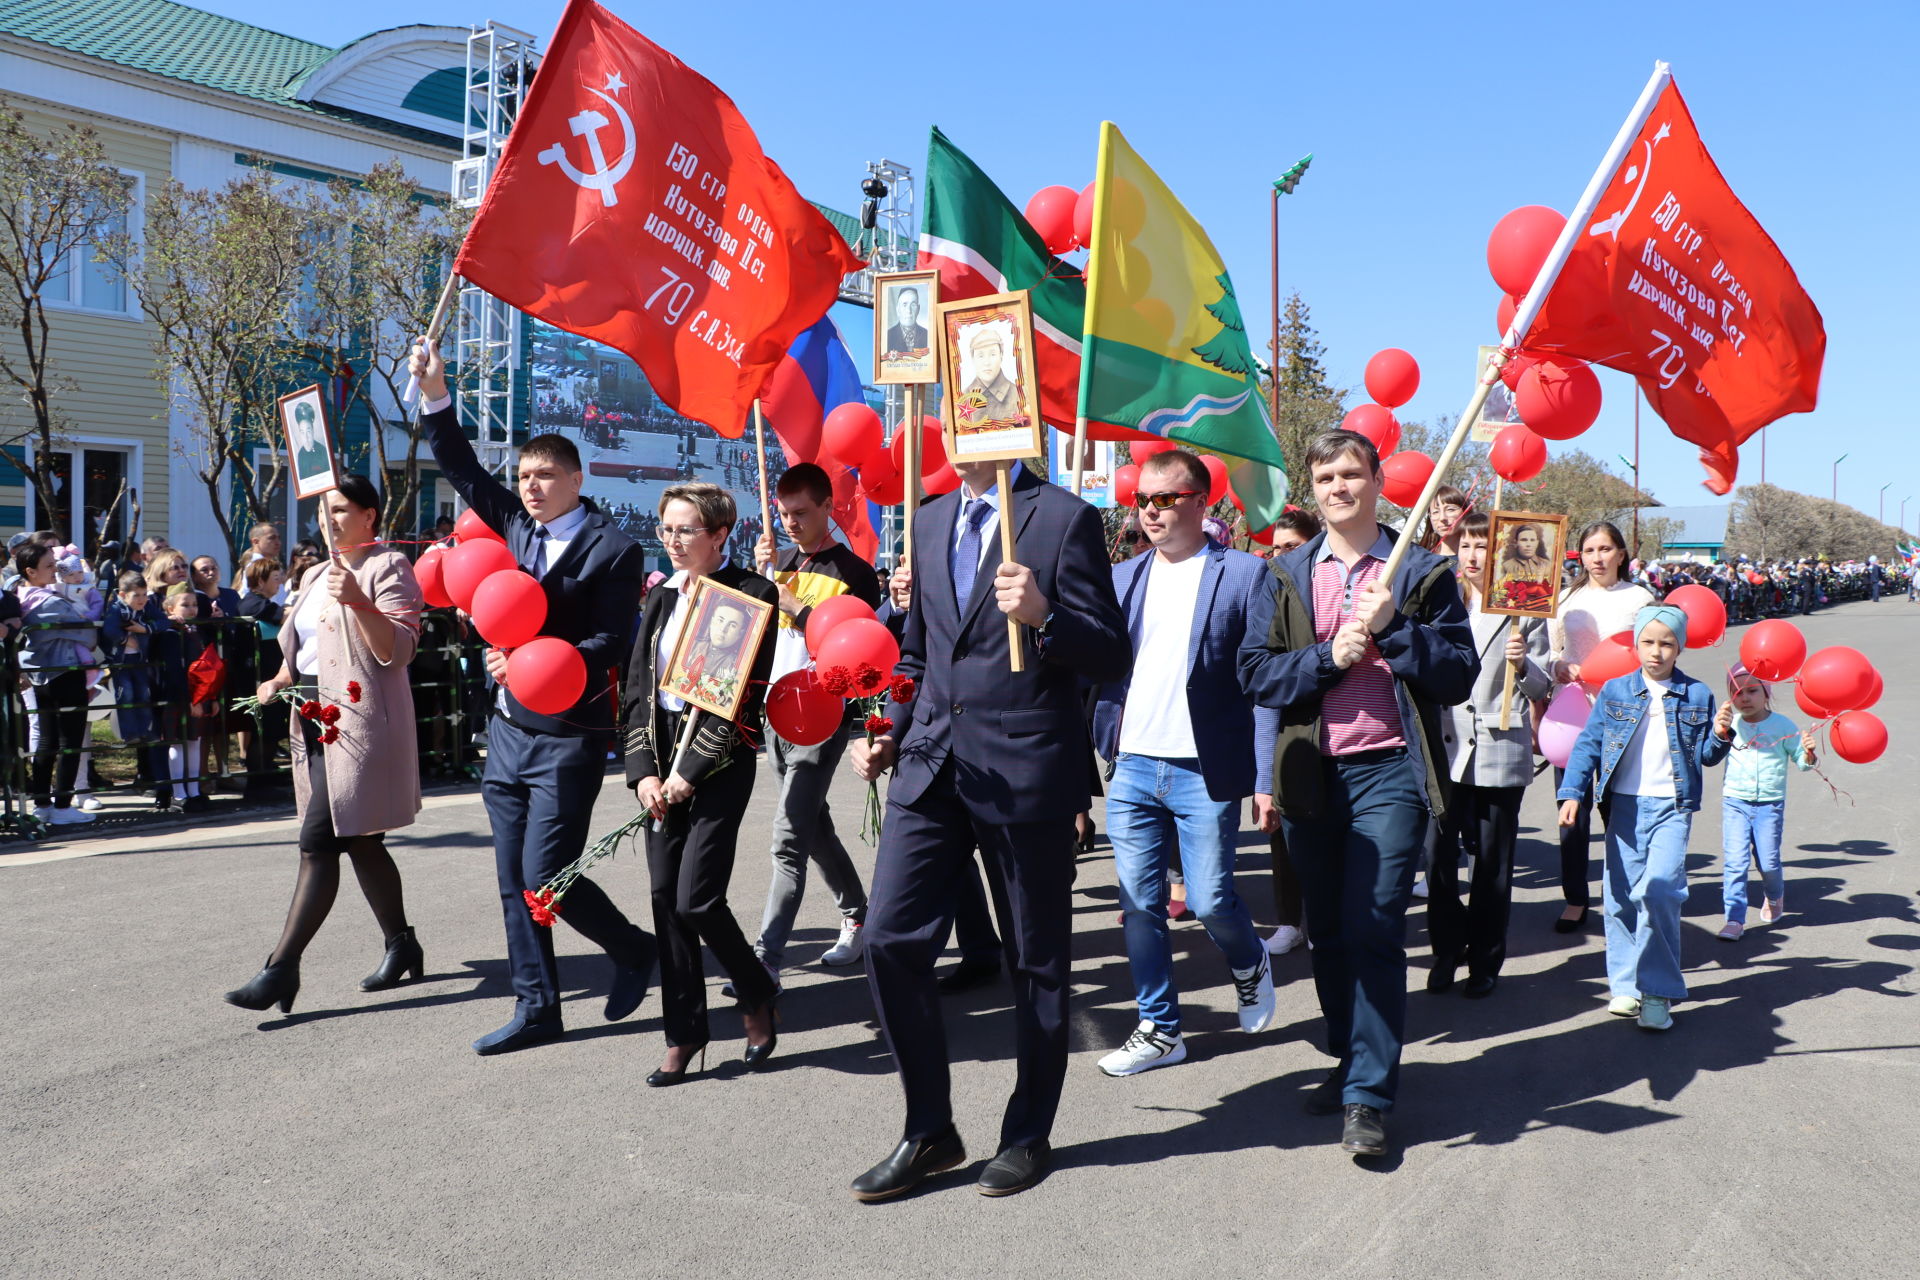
1477,751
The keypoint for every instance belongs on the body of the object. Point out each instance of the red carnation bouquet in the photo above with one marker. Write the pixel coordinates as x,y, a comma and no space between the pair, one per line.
325,714
544,902
870,690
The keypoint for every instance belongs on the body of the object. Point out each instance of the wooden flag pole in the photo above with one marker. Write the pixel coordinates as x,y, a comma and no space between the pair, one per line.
910,461
435,327
760,452
1506,696
1003,476
1536,297
1079,453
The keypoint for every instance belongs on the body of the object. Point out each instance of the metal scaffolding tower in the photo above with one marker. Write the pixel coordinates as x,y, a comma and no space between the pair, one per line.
487,344
889,237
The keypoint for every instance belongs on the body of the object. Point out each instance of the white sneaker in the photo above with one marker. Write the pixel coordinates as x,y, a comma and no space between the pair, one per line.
1654,1014
66,817
1420,887
1255,989
1284,939
91,804
1148,1047
852,942
1624,1006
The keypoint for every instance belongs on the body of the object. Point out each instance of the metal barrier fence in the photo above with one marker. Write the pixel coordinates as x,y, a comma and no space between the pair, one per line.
240,753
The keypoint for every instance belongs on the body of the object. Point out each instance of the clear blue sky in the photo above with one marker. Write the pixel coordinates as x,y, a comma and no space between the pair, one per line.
1428,121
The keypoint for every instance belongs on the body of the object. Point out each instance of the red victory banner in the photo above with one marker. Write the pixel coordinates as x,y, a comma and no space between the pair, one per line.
633,205
1672,280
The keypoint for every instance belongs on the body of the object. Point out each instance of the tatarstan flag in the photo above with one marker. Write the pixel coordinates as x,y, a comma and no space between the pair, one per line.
981,244
1166,348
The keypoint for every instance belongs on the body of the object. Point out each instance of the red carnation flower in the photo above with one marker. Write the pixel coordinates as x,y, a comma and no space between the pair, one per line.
903,689
309,710
879,725
330,714
541,905
836,680
868,679
353,691
330,736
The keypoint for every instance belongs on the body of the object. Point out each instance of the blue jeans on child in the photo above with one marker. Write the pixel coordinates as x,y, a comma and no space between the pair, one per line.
1646,886
1750,832
1152,804
133,692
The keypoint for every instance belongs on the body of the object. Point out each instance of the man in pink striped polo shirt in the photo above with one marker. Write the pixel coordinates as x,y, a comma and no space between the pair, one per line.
1358,668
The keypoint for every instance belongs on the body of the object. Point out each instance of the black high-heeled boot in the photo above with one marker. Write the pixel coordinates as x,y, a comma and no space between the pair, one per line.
404,956
274,984
757,1054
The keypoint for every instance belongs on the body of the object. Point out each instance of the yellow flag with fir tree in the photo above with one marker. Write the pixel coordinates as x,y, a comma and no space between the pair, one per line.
1166,347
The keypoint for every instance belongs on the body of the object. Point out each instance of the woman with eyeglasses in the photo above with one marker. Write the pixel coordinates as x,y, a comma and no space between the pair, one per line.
697,796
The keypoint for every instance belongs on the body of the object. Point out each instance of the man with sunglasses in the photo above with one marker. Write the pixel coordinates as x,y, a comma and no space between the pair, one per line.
1186,747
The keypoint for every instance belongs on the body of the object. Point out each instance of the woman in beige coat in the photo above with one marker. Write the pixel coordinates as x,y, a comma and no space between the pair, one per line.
348,637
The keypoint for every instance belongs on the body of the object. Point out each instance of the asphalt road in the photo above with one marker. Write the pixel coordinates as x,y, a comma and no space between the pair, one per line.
152,1130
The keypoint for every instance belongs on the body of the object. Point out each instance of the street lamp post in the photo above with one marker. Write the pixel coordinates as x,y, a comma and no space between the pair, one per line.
1903,512
1883,500
1836,475
1635,468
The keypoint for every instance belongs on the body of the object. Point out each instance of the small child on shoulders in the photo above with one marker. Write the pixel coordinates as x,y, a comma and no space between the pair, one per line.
1754,801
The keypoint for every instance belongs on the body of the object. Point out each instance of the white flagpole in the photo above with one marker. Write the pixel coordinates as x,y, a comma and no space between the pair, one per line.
1536,297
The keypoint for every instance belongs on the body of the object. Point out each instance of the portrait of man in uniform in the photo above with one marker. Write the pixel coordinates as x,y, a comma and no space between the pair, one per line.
303,417
713,656
991,403
903,329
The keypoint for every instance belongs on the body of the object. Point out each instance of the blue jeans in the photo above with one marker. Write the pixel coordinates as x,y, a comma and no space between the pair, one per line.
1356,860
1646,885
1749,832
1151,805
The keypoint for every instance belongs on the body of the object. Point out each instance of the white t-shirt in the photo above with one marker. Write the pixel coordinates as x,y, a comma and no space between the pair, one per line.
1646,767
670,636
1156,720
306,627
1591,614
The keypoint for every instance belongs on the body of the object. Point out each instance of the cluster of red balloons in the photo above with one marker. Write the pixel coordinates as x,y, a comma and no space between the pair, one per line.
1126,477
1392,376
843,633
479,576
1557,397
854,440
1836,684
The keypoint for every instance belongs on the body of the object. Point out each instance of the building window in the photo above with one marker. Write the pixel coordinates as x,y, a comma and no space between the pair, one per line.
89,284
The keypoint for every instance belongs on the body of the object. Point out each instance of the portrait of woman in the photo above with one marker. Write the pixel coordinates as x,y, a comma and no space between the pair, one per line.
1522,577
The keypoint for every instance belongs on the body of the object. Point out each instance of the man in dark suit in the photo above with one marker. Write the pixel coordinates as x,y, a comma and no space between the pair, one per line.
996,759
906,333
544,772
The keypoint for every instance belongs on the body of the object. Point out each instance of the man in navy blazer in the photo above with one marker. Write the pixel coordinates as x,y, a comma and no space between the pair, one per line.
543,771
1187,746
997,758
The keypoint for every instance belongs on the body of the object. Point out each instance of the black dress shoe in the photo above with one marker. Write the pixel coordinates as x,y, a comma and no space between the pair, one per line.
1480,986
519,1033
1015,1169
912,1162
1440,977
1564,925
757,1054
630,983
1365,1133
1325,1098
274,984
664,1078
967,975
403,956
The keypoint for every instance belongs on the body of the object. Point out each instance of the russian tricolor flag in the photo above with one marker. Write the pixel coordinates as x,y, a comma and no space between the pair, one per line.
817,376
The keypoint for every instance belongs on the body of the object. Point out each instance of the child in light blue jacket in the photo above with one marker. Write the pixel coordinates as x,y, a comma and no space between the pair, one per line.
1754,800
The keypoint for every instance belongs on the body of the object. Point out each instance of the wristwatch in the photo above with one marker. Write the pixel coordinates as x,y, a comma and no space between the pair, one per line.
1045,629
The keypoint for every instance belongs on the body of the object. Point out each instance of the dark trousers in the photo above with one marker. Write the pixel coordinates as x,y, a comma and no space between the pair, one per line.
1286,882
1475,931
972,920
690,861
926,850
539,791
1576,852
1356,859
60,706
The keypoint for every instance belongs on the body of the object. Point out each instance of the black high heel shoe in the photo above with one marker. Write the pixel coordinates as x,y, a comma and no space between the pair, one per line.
274,984
757,1054
404,956
662,1078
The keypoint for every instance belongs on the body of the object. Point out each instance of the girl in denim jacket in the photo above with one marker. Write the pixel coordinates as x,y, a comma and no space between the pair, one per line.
1641,754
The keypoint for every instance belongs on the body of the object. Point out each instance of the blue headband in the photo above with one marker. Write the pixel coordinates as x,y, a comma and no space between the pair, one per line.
1670,616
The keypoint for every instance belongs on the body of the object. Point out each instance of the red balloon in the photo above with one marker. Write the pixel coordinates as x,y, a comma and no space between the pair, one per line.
1706,614
1083,216
933,448
1265,536
509,608
1050,213
1392,377
1773,650
860,643
1858,737
853,434
1519,246
470,527
1813,710
945,480
830,613
801,711
547,675
1141,450
472,563
844,485
1513,370
1838,678
1558,398
888,488
1376,423
1873,694
1606,661
1509,308
430,571
1126,483
1217,470
1404,476
1517,455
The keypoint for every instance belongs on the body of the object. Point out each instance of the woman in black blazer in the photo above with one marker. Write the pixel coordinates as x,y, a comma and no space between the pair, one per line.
700,796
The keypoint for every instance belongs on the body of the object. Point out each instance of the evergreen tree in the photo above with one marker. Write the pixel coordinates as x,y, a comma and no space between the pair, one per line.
1308,404
1227,350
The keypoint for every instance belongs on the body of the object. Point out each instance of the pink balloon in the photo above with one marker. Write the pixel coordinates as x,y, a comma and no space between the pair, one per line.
1560,727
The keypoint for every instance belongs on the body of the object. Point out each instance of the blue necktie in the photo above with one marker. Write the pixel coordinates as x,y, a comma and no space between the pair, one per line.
545,535
966,553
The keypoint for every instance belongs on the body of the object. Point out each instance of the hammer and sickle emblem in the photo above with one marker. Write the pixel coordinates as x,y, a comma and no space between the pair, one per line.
588,124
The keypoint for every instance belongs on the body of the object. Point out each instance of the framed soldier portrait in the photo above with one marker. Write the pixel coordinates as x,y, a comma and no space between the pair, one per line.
1498,413
712,660
903,346
303,417
990,406
1522,577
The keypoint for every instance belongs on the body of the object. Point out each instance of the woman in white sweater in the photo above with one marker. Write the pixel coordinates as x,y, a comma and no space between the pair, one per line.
1601,604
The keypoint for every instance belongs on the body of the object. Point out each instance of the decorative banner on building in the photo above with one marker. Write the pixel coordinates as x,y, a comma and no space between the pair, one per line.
633,205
